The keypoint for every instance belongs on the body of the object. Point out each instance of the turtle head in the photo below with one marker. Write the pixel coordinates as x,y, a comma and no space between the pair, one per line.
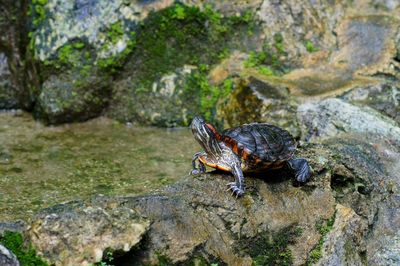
206,135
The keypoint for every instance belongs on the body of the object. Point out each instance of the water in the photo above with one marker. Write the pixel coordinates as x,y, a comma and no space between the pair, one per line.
42,166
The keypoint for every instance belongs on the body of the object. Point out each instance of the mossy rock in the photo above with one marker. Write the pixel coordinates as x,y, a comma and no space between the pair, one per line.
71,97
166,42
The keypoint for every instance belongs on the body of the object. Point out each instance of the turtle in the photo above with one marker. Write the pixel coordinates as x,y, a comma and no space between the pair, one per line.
247,148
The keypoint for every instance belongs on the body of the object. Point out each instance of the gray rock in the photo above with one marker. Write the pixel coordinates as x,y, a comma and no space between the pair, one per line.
378,199
331,117
383,97
71,97
7,91
170,102
7,258
78,234
345,243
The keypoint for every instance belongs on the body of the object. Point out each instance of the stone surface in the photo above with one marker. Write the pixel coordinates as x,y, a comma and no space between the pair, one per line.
7,258
78,234
89,20
377,201
71,97
345,244
262,99
197,219
383,97
7,91
331,117
171,101
23,74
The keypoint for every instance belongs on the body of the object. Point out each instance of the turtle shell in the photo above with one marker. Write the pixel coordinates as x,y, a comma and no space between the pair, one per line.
260,143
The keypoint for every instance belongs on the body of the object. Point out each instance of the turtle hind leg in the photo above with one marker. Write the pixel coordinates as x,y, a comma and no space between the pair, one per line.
301,169
237,187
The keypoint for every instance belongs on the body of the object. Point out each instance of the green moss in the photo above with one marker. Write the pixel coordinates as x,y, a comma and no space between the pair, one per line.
323,227
268,60
181,35
266,249
179,12
310,46
265,70
115,63
197,86
26,254
37,11
108,259
116,32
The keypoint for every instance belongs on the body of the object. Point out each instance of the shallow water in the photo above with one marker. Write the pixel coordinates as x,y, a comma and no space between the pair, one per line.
42,166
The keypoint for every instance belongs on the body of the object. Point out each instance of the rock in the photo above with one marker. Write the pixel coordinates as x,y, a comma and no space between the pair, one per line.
165,45
262,99
7,92
368,45
16,226
104,26
331,117
78,234
345,244
171,102
377,201
71,97
275,222
383,97
7,258
20,76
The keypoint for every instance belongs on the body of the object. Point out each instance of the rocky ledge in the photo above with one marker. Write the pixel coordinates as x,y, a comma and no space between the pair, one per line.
345,215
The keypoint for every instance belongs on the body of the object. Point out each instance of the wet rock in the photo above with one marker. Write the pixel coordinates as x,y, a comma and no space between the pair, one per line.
7,91
345,244
7,258
78,234
262,99
331,117
71,97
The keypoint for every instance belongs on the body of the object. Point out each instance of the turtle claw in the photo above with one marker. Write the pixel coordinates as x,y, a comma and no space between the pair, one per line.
236,191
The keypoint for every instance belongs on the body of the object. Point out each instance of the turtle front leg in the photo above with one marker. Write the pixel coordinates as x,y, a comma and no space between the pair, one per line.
202,167
237,187
300,168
